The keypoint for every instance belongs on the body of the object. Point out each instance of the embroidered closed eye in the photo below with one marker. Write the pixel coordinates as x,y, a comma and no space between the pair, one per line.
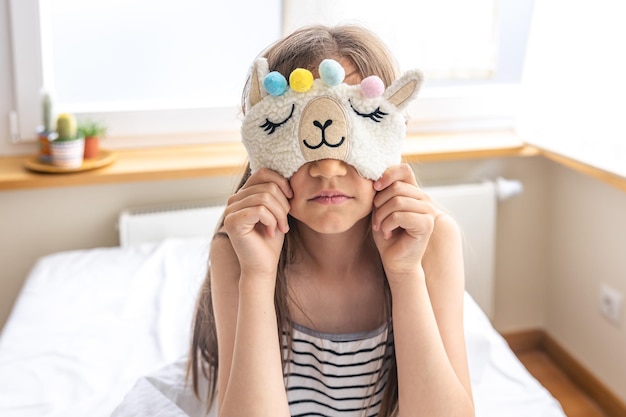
377,115
270,126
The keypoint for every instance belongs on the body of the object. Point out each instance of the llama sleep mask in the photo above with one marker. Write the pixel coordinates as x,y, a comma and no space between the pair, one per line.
288,124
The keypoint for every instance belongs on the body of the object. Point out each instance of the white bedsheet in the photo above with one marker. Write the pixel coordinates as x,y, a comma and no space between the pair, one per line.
104,329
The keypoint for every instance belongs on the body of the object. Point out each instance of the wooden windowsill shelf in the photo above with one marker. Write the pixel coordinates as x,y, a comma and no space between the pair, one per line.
223,159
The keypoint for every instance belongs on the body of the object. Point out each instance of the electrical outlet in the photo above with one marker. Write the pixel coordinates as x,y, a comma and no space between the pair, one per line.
611,304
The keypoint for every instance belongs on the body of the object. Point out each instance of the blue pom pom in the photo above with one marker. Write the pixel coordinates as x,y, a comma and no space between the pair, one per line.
331,72
275,83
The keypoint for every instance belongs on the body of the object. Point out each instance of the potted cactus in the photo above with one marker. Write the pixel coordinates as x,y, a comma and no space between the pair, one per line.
44,131
92,131
67,146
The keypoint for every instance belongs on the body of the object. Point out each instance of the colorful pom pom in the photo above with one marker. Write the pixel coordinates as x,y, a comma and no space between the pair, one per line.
275,83
372,86
301,80
331,72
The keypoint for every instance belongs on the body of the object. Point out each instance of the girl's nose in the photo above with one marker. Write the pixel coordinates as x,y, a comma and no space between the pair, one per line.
328,168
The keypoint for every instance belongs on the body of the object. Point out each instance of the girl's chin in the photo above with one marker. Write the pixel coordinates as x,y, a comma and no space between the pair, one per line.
332,226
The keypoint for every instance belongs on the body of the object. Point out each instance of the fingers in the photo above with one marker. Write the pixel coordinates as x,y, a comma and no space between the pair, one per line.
263,199
402,172
264,176
398,181
402,189
415,218
242,221
401,204
262,207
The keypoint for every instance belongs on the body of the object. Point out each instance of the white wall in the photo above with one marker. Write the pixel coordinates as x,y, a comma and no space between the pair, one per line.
574,83
6,86
573,89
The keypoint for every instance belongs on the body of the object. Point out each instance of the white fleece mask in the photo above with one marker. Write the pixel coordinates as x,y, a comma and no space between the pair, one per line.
288,125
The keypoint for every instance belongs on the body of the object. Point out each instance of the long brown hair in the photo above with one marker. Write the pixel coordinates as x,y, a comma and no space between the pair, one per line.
304,48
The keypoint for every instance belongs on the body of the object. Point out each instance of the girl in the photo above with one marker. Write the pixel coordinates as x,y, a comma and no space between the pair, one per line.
329,293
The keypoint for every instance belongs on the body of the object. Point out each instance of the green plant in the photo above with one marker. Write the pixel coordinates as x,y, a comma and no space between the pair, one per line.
66,127
92,128
46,104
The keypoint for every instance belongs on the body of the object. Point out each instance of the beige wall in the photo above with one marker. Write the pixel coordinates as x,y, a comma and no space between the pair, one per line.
521,252
42,221
587,248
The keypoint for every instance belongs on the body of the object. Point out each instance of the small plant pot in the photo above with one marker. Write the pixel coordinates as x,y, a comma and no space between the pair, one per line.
44,147
68,153
92,147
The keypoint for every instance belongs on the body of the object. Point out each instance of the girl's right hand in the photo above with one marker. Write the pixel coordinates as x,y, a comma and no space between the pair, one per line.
255,220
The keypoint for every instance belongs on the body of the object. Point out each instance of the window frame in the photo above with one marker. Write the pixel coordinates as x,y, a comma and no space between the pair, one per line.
439,108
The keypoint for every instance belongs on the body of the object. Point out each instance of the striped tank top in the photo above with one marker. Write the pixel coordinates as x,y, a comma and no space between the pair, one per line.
337,374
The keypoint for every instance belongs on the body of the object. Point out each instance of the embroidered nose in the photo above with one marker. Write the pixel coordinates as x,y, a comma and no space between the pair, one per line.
322,128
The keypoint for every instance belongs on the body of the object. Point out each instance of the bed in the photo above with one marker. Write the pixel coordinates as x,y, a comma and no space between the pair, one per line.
105,331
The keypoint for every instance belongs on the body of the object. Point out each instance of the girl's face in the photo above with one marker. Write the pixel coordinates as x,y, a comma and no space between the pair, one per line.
329,196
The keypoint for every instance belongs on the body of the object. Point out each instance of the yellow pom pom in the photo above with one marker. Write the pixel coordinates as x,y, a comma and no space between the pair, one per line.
301,80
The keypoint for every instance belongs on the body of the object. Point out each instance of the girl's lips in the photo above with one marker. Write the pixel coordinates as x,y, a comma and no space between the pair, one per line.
330,198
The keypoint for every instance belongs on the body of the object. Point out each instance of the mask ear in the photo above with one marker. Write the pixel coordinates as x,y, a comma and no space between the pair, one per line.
257,92
404,89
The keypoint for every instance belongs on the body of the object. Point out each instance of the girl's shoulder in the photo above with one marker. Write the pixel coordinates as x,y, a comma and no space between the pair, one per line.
222,256
445,226
220,245
446,242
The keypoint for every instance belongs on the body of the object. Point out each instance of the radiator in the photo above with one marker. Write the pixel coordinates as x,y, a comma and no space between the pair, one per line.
182,220
474,206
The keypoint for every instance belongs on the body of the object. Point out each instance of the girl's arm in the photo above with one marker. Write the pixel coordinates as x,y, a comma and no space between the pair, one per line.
428,331
243,275
250,378
422,256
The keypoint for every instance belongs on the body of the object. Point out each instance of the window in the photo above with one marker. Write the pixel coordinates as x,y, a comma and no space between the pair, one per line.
575,83
143,66
161,67
449,40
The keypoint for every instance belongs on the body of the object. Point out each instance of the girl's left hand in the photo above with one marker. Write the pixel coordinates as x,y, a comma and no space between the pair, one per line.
402,221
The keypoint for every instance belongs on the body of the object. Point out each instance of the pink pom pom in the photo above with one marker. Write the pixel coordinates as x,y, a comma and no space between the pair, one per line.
372,86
